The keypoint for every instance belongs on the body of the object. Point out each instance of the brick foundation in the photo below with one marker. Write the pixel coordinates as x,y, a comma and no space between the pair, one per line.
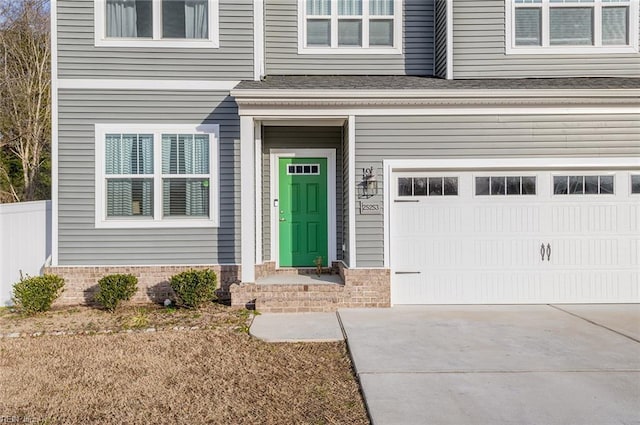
81,283
361,288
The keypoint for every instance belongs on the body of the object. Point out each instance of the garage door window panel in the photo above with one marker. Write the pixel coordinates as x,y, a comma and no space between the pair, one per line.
635,184
505,185
583,185
427,186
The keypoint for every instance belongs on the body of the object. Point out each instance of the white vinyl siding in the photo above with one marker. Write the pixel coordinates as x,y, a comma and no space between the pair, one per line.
571,26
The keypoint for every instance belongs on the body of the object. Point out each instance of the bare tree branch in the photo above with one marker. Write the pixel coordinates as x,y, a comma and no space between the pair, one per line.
25,85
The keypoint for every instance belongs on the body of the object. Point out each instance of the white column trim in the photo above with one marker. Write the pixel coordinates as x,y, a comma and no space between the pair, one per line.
351,127
54,133
258,40
247,200
299,112
257,126
386,206
515,163
148,84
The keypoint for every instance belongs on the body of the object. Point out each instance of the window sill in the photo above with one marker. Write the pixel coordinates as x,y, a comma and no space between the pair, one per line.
571,50
190,44
349,51
155,224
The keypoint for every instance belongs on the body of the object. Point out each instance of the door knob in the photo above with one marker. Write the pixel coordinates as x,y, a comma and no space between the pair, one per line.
283,219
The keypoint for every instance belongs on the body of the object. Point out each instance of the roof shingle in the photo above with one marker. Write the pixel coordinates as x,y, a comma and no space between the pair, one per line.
363,82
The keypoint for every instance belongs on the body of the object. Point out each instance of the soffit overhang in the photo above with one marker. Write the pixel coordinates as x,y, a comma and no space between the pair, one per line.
384,92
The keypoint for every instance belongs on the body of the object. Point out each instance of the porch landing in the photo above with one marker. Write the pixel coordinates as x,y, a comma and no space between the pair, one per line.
299,279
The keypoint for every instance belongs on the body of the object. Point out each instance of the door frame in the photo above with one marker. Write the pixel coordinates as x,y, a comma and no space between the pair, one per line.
274,185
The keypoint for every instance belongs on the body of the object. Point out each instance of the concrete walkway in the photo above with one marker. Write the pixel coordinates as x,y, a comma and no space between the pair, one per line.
498,364
296,327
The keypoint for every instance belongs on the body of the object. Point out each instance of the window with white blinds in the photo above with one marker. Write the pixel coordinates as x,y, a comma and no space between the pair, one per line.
156,23
185,175
129,175
350,26
571,26
150,175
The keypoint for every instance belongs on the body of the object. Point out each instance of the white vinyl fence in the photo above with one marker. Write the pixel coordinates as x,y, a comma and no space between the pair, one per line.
25,242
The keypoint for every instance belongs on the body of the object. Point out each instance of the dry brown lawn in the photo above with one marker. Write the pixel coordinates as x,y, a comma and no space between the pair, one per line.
219,375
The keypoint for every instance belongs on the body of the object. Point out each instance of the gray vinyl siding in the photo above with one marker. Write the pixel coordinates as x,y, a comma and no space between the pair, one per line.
79,58
298,138
479,50
80,243
440,39
281,46
412,137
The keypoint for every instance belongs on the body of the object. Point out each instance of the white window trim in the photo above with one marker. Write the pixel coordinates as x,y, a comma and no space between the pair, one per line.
101,221
545,49
102,41
334,49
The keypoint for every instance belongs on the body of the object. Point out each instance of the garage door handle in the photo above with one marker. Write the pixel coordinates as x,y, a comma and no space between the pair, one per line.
407,272
548,252
406,200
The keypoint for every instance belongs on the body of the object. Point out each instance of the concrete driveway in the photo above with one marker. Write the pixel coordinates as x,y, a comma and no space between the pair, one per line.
498,364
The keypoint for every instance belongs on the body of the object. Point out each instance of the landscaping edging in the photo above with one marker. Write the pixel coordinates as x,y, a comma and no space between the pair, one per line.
15,335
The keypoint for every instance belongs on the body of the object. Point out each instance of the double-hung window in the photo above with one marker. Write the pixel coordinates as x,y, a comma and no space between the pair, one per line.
350,26
571,26
156,175
156,23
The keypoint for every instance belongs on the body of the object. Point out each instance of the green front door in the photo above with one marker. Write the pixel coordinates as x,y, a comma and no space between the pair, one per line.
303,225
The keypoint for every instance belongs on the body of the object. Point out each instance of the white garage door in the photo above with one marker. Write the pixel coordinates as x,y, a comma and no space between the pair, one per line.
515,237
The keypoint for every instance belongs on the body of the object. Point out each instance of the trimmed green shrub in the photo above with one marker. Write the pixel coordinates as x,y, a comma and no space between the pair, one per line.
194,288
115,288
36,294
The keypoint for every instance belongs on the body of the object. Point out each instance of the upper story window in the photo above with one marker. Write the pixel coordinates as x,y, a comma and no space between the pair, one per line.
156,176
350,26
571,26
156,23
